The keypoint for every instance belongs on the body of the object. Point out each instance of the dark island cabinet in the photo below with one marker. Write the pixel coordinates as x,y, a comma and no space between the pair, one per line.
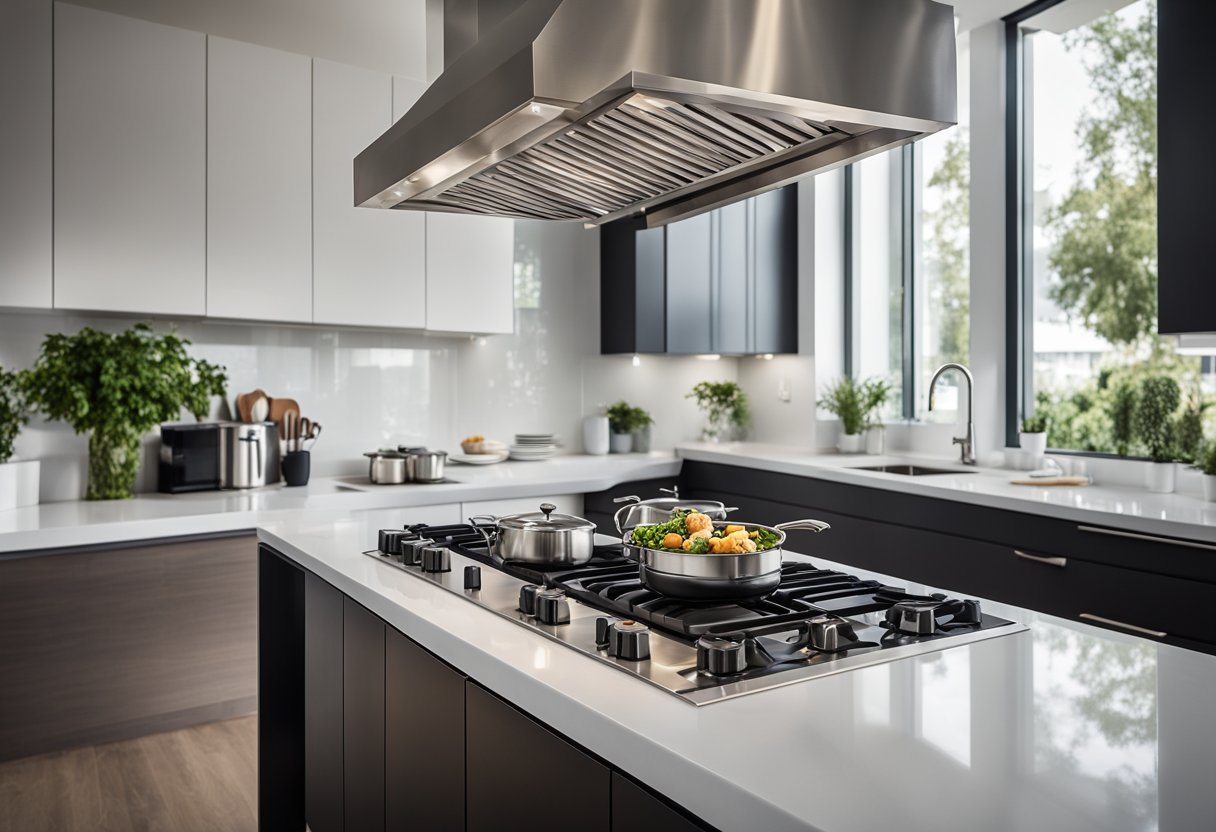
637,809
523,776
362,718
323,741
424,753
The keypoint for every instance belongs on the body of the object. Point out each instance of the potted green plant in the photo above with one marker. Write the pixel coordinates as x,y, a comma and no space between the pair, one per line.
725,407
116,388
1207,464
1032,438
641,431
1188,430
1122,417
1158,400
846,400
876,392
13,415
620,424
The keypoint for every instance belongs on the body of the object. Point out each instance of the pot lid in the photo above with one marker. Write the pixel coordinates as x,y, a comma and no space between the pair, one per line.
545,520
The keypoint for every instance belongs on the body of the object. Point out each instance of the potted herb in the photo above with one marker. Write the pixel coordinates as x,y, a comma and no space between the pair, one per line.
1189,427
1032,439
725,407
620,424
117,388
876,392
641,430
12,416
1122,417
1158,399
1207,464
846,400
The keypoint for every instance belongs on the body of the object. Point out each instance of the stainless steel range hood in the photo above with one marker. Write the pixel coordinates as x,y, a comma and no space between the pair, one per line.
591,110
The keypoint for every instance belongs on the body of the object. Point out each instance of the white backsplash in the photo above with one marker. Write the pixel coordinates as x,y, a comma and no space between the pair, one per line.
372,388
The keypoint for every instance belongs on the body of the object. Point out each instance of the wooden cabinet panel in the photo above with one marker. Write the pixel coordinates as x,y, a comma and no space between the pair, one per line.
323,761
470,275
130,164
368,264
634,809
564,782
362,718
689,290
25,154
259,183
424,754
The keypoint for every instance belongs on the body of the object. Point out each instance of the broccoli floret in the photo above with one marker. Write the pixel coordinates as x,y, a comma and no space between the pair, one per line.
698,546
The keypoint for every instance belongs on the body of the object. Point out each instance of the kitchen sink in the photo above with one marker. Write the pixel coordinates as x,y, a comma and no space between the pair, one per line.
910,470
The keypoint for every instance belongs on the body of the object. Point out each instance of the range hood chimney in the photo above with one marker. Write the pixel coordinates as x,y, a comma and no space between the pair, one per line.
588,110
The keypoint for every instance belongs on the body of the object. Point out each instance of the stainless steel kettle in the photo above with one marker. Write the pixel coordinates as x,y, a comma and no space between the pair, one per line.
249,454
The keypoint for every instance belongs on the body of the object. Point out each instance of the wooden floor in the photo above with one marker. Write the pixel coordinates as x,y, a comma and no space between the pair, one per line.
201,778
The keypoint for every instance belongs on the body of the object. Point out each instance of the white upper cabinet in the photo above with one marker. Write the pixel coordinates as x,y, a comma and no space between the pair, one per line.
368,264
130,164
470,273
259,183
25,154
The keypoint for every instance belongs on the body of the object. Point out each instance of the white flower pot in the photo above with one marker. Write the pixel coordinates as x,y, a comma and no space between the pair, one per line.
621,443
849,443
876,440
1209,487
8,486
1159,477
595,435
29,474
1034,444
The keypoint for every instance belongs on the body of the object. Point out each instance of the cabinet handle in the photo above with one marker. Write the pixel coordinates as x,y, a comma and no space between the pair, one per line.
1151,538
1050,561
1123,626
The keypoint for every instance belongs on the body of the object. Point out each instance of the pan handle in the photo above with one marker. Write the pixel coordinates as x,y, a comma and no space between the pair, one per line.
481,529
807,525
632,498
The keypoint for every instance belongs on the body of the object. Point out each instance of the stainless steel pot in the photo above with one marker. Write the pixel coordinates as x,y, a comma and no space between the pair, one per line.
249,454
386,467
641,512
539,538
716,576
425,466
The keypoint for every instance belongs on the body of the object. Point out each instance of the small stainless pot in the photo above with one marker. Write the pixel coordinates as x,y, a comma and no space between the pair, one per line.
641,512
426,466
386,467
712,576
539,538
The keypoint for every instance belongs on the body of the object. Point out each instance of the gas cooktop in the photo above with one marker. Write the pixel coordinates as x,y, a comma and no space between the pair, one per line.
819,621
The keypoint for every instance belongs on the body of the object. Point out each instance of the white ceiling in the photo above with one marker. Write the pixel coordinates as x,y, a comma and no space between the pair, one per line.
388,35
973,13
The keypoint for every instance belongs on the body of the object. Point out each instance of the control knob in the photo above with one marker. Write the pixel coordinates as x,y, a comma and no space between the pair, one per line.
436,559
916,618
830,634
527,598
721,656
472,577
629,640
552,607
389,542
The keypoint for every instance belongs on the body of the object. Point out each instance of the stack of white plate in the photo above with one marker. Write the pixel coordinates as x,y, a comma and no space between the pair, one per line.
533,446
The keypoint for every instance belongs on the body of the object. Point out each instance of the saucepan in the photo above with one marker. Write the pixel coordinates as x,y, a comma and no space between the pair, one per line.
641,512
540,538
716,577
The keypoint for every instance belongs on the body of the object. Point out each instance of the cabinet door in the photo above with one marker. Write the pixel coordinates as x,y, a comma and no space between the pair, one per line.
470,273
774,291
424,739
368,263
25,154
731,321
130,164
689,291
322,705
362,718
562,783
634,808
259,183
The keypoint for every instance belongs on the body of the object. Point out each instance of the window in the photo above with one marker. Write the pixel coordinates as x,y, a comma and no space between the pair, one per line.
1083,214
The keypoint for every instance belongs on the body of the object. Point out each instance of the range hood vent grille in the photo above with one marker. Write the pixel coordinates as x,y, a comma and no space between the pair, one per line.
642,148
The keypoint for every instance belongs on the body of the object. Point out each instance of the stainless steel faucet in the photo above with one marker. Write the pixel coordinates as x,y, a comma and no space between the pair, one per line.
968,441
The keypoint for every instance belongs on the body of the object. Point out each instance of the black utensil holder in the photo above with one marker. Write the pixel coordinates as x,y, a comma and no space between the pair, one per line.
296,467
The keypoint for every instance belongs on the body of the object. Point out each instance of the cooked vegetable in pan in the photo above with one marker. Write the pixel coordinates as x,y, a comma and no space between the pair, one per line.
690,531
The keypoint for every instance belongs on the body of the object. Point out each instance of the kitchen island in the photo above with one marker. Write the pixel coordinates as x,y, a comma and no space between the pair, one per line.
1061,727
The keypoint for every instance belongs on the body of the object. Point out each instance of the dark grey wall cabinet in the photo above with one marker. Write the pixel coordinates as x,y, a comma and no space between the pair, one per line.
424,755
1186,179
723,282
362,718
560,786
322,703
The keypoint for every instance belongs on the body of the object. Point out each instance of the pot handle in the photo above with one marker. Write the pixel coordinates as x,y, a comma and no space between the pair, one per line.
807,525
481,529
632,498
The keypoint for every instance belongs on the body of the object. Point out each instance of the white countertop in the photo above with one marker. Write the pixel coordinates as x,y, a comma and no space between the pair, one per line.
1124,507
147,516
1064,727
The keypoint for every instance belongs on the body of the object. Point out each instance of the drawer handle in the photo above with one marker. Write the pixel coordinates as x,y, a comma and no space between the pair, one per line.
1152,538
1123,626
1060,562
